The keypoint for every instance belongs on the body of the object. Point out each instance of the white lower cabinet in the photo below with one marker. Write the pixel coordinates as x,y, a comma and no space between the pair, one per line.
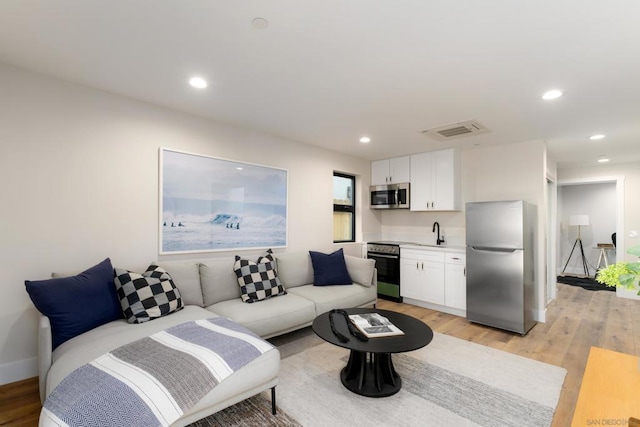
422,275
455,277
434,278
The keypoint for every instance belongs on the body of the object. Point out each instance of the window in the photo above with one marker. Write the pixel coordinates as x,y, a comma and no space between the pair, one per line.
344,208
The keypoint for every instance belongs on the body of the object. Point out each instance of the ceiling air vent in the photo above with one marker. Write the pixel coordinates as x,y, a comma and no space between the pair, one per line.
456,130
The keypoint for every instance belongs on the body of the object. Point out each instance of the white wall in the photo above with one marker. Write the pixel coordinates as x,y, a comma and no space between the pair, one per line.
598,201
79,183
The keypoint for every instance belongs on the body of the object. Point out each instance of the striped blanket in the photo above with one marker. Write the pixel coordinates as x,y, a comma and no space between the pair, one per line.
155,380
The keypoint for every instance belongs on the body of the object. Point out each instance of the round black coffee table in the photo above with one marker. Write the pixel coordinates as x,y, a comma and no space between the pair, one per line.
369,371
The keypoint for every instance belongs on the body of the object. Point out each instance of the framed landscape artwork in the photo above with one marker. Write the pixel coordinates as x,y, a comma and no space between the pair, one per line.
211,204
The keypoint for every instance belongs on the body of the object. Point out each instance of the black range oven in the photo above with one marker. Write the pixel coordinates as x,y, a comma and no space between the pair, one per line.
387,257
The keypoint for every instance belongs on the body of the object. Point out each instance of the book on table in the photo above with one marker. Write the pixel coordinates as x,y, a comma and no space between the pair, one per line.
374,325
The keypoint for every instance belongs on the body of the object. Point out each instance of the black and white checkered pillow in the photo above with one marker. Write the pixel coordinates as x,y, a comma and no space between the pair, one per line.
258,280
147,296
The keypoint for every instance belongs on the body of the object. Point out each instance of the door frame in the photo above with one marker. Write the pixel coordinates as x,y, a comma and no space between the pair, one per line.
551,239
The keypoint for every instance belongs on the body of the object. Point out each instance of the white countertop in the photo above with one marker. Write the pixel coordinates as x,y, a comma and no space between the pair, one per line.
446,248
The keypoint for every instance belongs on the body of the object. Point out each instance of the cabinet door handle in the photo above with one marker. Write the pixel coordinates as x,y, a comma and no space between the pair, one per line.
422,265
417,265
465,272
456,258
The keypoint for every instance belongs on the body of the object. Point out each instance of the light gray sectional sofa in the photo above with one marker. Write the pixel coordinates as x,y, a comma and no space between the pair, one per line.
209,288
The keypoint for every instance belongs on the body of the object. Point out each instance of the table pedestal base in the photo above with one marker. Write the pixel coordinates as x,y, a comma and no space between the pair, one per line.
370,374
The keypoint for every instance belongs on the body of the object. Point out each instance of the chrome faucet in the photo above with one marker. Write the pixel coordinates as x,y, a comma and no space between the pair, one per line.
438,240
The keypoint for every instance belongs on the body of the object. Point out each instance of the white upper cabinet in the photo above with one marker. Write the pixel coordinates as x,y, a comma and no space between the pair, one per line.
390,171
435,181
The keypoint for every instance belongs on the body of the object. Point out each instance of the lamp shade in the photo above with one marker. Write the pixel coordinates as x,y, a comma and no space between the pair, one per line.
576,220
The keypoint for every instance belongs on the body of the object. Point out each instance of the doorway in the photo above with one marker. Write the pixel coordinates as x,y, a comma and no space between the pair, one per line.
587,215
600,202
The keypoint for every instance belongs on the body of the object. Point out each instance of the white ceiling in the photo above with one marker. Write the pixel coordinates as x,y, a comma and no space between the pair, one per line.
327,72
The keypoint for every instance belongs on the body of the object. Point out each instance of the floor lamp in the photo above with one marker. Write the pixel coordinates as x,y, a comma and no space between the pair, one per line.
579,221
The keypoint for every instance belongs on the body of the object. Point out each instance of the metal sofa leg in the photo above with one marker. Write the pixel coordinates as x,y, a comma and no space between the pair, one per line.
273,400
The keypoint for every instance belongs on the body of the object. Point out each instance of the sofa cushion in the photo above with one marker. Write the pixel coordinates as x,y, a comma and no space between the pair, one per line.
186,276
329,269
258,280
78,303
218,280
273,316
147,296
295,269
326,298
360,269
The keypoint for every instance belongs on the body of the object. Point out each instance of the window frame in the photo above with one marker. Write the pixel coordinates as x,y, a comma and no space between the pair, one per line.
338,208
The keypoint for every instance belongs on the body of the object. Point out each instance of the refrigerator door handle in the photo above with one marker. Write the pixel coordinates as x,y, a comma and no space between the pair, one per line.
492,249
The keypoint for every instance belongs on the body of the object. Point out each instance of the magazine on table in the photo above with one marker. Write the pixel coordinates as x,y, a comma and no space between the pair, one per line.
374,325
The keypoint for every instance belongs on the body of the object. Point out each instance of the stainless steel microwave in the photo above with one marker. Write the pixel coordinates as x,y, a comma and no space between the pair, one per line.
389,196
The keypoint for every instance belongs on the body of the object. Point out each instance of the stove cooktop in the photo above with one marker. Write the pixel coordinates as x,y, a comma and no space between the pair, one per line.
391,242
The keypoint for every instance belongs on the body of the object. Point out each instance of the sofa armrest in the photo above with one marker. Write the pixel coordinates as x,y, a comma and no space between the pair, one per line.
361,270
44,354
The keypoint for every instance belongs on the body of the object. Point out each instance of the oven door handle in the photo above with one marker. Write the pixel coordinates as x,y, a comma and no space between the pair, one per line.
383,256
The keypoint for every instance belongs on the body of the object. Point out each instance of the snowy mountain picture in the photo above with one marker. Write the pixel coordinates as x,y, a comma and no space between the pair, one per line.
211,204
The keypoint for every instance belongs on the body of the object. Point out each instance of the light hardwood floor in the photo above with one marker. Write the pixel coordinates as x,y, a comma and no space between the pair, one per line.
576,321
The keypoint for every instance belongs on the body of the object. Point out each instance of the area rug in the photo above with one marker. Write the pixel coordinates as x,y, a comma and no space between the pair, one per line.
252,412
448,382
451,382
588,283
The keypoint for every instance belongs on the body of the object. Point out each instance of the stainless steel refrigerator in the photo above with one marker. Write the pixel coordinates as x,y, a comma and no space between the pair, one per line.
501,264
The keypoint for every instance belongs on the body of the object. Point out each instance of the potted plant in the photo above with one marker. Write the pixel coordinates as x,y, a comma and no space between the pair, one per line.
622,274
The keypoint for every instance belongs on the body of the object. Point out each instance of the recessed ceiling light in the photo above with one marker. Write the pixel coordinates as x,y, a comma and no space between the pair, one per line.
595,137
260,23
198,82
603,160
552,94
365,139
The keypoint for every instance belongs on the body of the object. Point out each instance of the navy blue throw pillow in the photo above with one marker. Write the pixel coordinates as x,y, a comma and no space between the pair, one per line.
329,269
78,303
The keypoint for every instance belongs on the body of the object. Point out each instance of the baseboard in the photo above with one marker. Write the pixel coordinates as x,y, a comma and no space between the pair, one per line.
627,293
437,307
540,315
19,370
